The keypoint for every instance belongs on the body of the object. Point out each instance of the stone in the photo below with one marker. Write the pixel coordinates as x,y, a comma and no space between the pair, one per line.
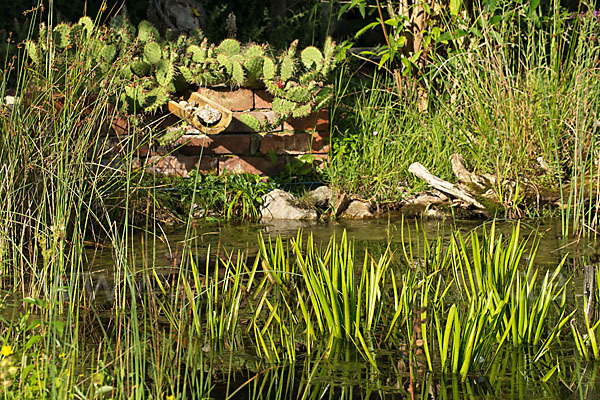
279,204
357,210
426,199
321,197
10,101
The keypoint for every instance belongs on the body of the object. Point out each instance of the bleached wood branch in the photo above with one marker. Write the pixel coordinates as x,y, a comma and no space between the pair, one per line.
443,186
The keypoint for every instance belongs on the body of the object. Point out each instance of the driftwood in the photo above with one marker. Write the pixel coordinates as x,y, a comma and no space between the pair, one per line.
443,186
463,175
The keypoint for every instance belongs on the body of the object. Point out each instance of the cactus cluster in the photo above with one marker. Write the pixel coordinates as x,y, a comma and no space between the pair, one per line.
152,66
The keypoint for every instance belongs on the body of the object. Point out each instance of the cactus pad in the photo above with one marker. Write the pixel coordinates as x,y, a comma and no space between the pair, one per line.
152,52
140,68
251,121
147,31
61,35
269,68
229,47
32,51
287,68
312,58
165,72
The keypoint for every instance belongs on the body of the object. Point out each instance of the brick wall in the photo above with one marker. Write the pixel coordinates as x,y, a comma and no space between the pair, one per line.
240,149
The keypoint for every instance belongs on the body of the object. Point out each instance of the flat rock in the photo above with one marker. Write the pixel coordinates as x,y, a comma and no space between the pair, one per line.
321,196
279,204
357,210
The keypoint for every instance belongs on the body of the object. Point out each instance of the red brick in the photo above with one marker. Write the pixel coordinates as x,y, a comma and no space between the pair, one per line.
179,165
237,126
263,99
318,121
234,100
296,143
193,145
251,164
119,125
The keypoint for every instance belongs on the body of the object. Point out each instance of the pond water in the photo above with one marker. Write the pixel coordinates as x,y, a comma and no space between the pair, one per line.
339,371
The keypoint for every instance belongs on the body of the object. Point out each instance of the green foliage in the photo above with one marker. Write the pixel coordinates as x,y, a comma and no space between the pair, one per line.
229,47
237,75
32,51
147,32
152,52
283,106
252,122
312,58
165,72
254,50
287,67
269,68
198,53
108,53
302,111
61,36
254,66
225,62
140,68
168,65
298,94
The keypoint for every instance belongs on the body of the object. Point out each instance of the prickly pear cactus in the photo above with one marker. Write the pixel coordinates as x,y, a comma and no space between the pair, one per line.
229,47
151,67
254,69
251,121
147,31
108,53
32,51
61,35
165,72
287,68
254,50
237,75
269,68
140,68
312,58
152,52
198,53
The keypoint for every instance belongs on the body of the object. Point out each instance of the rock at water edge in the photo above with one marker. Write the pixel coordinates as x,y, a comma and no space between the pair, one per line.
279,204
321,196
357,210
